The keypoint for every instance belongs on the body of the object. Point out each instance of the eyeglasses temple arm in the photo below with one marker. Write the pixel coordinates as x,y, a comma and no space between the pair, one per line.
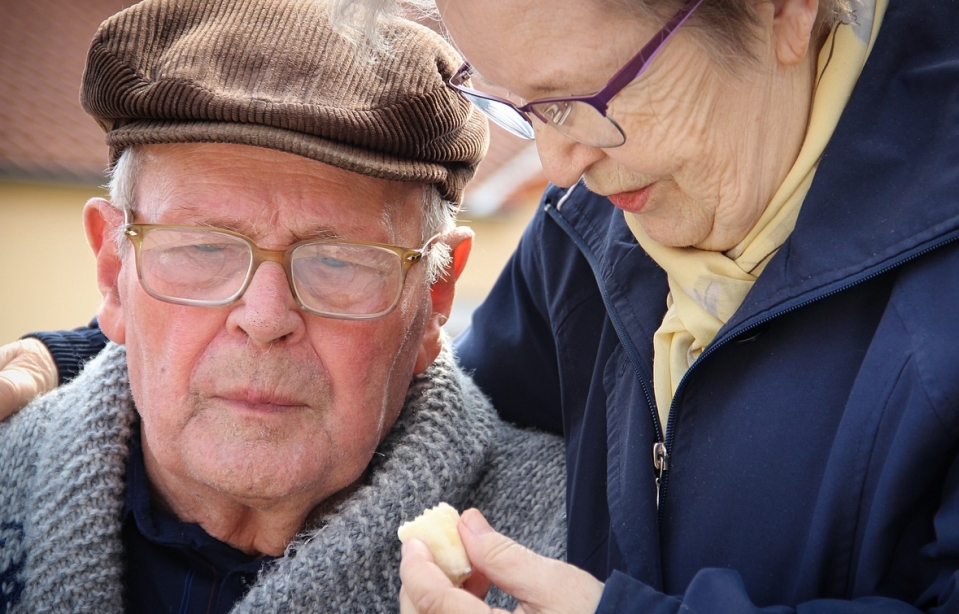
627,74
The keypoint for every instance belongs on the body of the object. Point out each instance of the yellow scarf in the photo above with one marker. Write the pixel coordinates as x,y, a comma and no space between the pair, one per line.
706,288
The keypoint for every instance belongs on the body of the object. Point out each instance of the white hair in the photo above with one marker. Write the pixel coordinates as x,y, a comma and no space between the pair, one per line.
439,215
725,24
360,20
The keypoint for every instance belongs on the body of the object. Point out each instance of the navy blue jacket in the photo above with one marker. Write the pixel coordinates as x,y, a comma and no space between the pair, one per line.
812,448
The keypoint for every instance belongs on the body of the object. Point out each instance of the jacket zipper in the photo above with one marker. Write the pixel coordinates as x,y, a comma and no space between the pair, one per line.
663,446
661,464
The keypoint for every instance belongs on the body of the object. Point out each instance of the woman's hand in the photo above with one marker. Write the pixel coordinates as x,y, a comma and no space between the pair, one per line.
542,585
27,370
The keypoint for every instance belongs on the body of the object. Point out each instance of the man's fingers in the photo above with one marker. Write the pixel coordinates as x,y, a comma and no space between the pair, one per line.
477,584
10,396
26,370
427,590
406,604
540,584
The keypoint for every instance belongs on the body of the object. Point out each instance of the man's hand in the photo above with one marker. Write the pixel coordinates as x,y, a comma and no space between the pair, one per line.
542,585
26,371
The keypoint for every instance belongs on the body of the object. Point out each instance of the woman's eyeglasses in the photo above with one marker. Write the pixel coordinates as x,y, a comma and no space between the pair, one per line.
582,118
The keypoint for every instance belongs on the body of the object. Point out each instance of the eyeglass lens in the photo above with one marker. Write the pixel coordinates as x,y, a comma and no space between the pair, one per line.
503,114
581,122
578,120
206,267
345,278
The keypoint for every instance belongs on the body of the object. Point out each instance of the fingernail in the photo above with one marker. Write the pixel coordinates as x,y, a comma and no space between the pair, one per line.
475,522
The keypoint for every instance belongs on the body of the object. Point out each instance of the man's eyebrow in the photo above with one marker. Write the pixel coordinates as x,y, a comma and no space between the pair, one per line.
253,230
296,234
257,227
318,233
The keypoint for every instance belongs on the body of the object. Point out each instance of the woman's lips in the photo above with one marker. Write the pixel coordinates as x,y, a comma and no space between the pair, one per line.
631,201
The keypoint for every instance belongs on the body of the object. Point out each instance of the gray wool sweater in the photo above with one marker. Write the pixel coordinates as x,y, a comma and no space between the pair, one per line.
62,468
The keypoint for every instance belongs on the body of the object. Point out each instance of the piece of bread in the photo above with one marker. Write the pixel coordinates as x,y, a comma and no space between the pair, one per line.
436,527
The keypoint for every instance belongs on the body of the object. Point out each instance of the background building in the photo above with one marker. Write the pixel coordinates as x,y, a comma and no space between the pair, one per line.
52,158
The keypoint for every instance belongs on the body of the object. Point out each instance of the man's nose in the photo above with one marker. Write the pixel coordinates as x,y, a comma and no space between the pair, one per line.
268,312
564,160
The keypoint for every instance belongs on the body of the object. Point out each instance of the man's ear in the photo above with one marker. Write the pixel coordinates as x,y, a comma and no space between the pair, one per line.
793,23
101,221
460,240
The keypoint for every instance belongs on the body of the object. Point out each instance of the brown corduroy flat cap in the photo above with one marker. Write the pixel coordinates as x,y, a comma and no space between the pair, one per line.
276,74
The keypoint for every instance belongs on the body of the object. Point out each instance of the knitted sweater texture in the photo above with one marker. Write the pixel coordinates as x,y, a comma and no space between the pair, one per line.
62,480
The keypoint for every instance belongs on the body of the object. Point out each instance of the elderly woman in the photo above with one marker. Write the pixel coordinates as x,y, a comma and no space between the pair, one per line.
751,355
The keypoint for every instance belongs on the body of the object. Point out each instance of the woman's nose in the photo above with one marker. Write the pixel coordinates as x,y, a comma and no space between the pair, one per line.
564,160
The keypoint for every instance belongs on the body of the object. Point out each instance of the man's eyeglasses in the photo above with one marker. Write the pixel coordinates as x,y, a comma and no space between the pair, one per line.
582,118
206,267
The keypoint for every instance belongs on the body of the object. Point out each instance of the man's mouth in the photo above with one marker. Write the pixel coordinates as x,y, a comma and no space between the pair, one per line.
261,402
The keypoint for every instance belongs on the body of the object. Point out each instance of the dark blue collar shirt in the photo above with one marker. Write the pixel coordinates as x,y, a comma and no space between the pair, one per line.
175,567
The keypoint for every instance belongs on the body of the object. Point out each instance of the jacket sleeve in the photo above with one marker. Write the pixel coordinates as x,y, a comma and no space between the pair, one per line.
71,349
721,591
509,348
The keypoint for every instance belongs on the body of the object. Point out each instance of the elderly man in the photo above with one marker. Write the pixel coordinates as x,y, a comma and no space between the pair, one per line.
276,263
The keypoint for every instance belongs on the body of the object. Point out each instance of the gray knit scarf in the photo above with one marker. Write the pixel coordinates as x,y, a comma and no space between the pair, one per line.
62,467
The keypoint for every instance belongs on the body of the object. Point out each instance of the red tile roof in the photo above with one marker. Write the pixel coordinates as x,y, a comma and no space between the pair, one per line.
43,131
44,134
